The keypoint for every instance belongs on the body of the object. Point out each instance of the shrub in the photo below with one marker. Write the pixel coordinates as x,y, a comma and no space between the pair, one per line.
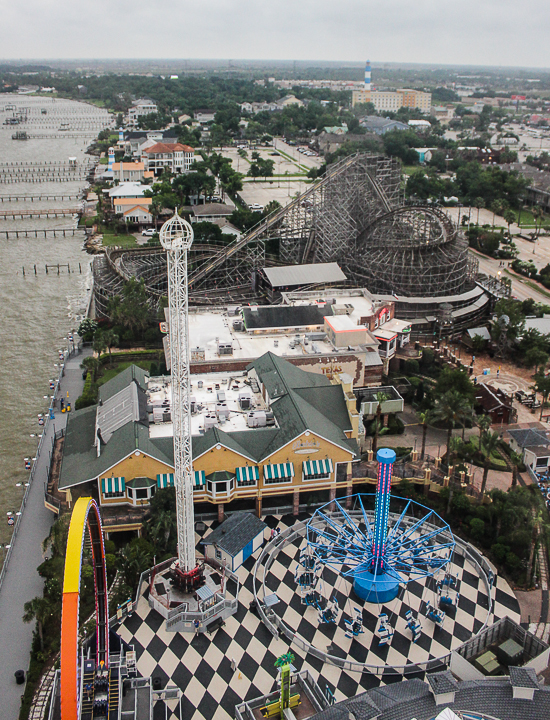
412,367
512,561
395,425
427,358
89,394
500,551
477,527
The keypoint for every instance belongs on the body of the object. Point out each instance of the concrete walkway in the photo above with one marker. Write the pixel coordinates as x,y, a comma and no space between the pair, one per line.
21,581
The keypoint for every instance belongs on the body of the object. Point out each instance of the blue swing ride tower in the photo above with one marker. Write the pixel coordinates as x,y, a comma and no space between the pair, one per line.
380,552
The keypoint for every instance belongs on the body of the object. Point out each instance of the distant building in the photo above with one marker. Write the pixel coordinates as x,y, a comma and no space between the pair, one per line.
380,126
289,100
175,157
133,172
392,100
211,212
141,107
204,116
132,210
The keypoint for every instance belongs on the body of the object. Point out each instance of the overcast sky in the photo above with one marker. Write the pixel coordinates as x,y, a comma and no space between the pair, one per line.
482,32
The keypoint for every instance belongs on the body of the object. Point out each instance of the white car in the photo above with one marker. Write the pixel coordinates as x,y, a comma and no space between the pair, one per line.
148,232
257,207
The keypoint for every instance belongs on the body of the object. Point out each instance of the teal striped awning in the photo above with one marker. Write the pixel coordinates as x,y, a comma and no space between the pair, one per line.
317,467
199,479
165,480
247,474
113,485
280,471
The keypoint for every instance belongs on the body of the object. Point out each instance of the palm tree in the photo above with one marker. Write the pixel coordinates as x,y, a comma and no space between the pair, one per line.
542,385
490,444
164,526
484,423
425,418
479,203
452,408
57,539
110,339
41,610
537,518
92,365
454,445
516,459
99,343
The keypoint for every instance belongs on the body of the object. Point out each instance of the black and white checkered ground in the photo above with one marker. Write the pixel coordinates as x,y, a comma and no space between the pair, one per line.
202,666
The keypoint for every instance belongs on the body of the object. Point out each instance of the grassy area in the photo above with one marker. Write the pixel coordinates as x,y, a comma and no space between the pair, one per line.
495,459
409,169
536,287
126,241
110,373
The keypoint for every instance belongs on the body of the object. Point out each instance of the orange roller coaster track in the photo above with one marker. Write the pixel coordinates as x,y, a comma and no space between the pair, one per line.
85,514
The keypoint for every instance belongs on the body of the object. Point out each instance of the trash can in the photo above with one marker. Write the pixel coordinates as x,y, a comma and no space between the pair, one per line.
19,677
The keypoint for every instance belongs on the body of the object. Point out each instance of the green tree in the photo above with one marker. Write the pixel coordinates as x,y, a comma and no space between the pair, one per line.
542,385
41,610
509,218
111,340
92,365
491,442
536,358
99,343
131,308
479,203
424,419
452,408
87,328
484,423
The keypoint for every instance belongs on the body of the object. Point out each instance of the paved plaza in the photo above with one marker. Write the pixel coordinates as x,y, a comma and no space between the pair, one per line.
237,662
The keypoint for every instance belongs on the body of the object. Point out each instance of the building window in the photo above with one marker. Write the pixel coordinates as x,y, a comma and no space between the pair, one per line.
218,554
111,495
276,481
142,494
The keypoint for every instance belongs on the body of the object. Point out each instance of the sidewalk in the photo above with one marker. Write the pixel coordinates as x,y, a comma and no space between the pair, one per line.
21,582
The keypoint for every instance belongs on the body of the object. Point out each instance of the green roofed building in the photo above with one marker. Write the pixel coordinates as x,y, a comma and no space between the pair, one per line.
269,434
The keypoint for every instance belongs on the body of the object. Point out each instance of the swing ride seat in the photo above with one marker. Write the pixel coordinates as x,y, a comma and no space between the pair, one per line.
274,708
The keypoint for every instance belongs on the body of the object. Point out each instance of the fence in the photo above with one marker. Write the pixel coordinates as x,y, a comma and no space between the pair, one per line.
276,626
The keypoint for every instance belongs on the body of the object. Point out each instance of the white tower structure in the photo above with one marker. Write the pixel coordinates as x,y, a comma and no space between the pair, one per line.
176,237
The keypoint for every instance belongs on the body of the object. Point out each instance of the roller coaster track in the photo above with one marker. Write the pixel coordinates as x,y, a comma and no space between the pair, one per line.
271,220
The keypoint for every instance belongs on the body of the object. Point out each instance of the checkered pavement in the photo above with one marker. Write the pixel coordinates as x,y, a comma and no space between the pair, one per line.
202,665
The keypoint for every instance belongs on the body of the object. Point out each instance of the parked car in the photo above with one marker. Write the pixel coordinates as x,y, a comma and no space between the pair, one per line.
257,207
148,232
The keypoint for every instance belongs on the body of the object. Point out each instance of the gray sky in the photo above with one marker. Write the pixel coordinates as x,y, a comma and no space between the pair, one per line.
483,32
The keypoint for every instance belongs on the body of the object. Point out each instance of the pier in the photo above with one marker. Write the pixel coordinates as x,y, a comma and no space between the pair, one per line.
32,198
44,232
13,214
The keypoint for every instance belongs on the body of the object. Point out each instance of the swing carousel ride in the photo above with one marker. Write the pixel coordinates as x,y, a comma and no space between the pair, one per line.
368,566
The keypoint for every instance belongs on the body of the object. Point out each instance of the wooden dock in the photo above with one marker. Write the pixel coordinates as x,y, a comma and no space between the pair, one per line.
40,233
13,214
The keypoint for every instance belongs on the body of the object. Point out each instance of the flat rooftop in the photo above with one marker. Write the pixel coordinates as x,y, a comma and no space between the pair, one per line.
205,393
304,274
206,329
362,305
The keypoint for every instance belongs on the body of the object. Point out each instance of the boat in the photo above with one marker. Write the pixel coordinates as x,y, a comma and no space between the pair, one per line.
20,135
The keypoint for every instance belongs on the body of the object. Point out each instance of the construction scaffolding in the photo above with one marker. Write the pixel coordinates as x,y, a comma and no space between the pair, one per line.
355,216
